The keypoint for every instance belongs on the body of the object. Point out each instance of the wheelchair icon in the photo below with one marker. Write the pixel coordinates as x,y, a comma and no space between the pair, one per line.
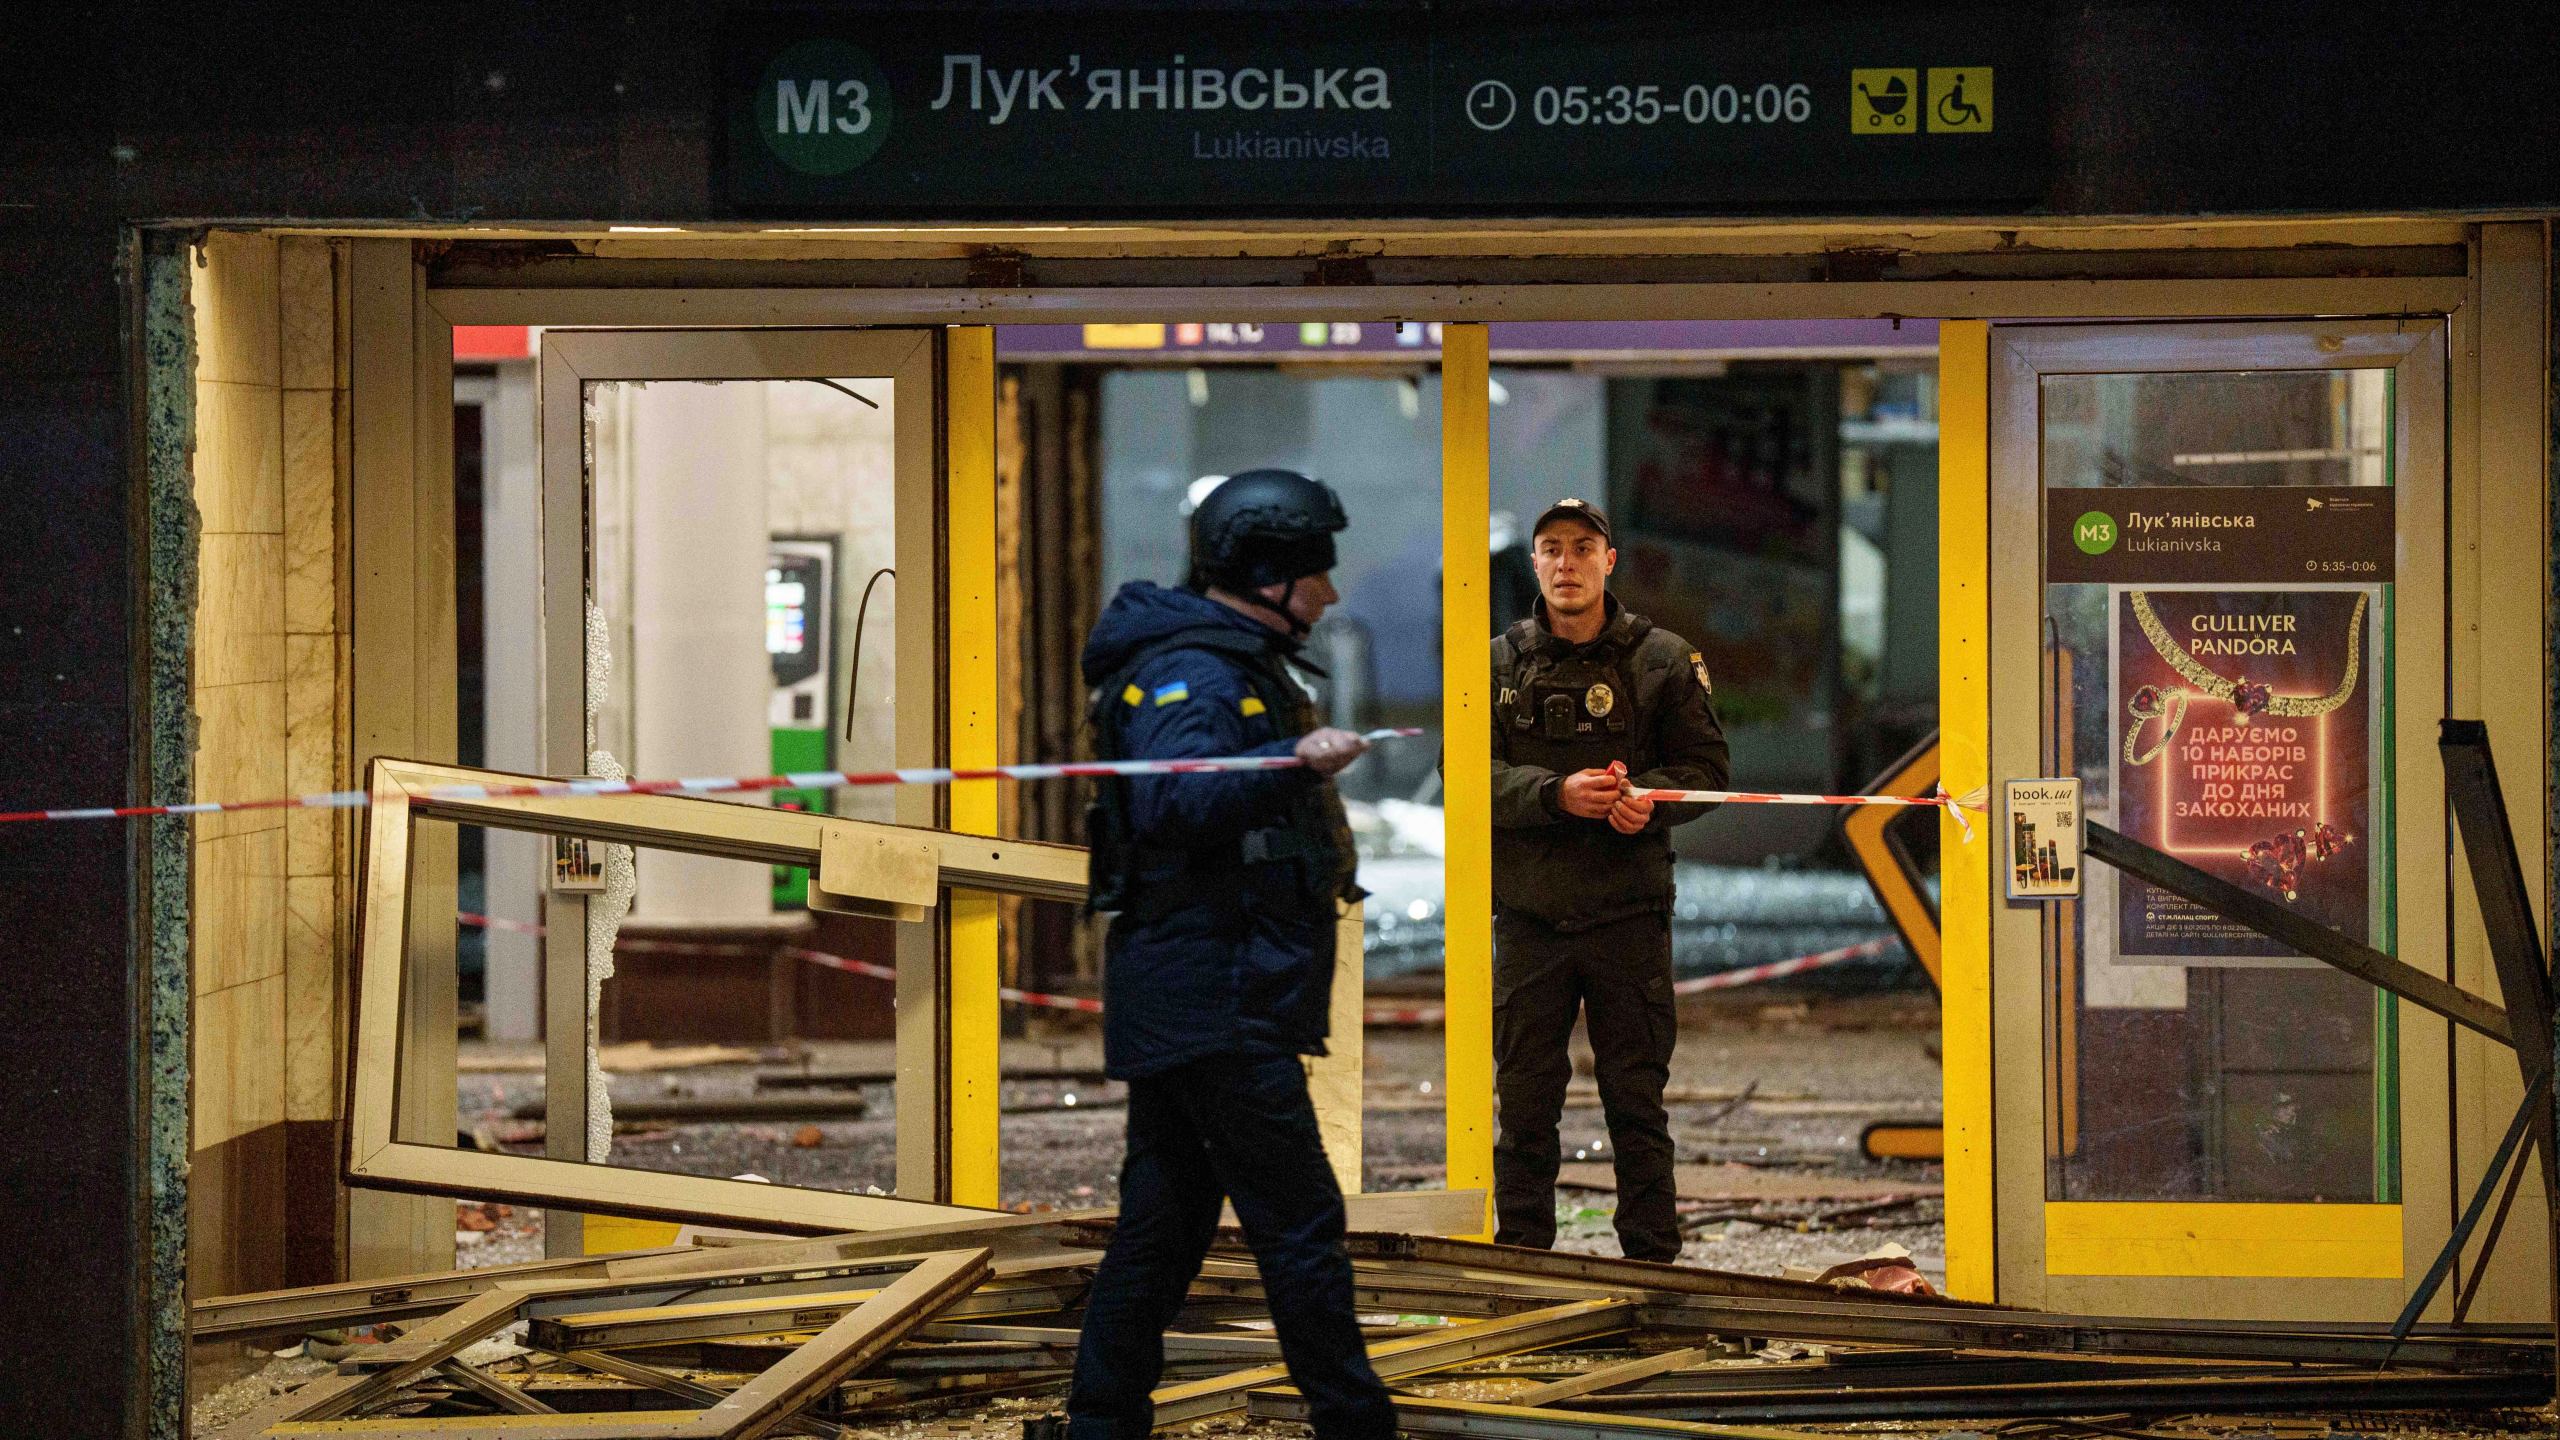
1954,110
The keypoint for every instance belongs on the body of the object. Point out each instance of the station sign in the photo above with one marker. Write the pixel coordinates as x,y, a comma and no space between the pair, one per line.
1012,111
2219,534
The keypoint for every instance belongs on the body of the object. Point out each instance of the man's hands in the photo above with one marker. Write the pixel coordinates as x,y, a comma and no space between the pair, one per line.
1604,795
1328,750
1630,814
1590,794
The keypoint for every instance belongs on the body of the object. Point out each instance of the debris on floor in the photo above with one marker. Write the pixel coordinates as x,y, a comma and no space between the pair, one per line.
969,1327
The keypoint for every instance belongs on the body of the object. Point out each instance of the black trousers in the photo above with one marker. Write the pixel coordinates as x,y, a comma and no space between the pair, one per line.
1234,1127
1618,976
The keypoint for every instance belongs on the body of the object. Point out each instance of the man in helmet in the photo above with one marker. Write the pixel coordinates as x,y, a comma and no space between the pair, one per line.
1218,969
1591,703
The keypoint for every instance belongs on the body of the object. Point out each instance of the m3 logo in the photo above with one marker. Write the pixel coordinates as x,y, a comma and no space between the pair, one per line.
822,108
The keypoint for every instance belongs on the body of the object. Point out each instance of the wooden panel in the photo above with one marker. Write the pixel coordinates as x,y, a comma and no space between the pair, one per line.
239,1037
315,1203
239,461
311,749
310,511
401,681
239,909
239,609
234,294
240,754
315,1005
306,327
236,1214
243,932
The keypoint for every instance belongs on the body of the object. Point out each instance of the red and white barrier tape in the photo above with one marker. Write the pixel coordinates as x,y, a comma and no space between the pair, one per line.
1005,993
1722,980
1939,800
852,779
1780,969
711,785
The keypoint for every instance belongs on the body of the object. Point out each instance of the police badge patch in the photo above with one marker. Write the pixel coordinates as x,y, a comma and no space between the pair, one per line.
1698,667
1598,701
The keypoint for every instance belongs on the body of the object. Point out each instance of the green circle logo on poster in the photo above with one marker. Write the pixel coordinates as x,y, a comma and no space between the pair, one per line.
2094,533
822,108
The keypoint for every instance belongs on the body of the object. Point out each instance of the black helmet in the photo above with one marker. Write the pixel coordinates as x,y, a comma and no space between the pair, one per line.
1264,527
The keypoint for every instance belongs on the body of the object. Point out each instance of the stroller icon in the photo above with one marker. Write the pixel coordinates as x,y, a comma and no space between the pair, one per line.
1888,107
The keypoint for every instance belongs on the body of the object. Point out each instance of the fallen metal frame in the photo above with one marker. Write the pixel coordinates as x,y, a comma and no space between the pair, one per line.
929,1285
1993,1395
1676,1300
1610,1377
1416,1415
366,1377
712,1321
776,1327
287,1313
1414,1355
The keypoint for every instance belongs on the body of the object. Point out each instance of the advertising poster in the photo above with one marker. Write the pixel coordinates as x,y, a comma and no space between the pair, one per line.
2246,741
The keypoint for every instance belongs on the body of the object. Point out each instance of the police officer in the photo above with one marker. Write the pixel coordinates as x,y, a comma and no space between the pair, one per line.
1219,966
1591,703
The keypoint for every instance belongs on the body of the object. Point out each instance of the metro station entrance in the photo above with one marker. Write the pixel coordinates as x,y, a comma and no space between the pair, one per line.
2280,524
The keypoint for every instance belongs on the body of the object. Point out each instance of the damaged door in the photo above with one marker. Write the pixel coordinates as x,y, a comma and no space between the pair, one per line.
714,502
2233,636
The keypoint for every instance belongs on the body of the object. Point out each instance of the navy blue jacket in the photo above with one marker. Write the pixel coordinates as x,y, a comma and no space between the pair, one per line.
1245,964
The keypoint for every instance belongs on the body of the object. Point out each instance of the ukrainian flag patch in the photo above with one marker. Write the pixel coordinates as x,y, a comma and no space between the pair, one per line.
1173,694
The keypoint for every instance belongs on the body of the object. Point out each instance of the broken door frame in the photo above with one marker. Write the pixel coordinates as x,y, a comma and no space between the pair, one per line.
884,868
570,361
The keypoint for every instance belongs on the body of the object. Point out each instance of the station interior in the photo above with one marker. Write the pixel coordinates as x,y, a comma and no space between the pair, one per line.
1812,445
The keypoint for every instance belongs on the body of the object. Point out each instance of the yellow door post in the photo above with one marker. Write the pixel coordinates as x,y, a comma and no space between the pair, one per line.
1466,728
970,525
1964,727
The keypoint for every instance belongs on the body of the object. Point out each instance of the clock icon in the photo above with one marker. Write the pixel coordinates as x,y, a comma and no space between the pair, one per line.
1491,105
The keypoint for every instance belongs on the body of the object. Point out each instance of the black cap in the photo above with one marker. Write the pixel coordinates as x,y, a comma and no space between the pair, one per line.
1571,509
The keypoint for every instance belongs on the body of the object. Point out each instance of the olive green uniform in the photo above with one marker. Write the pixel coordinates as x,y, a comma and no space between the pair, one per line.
1582,914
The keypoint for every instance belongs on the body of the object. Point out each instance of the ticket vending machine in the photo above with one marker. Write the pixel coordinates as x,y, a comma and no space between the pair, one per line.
799,635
